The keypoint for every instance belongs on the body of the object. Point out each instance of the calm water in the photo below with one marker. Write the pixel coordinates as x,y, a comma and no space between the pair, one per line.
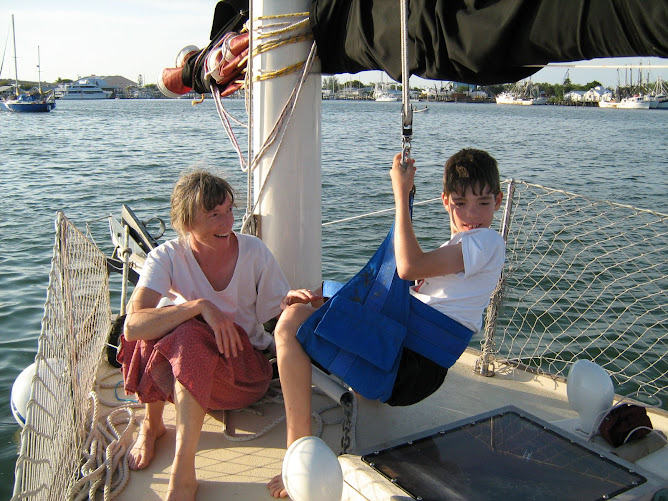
89,158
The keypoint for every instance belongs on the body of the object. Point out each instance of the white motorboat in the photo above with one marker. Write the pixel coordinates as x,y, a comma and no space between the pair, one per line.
85,88
386,98
382,94
608,104
634,103
523,94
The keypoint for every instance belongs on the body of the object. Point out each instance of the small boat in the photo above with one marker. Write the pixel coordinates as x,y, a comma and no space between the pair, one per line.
85,88
608,104
33,102
420,110
382,95
522,93
660,93
385,98
634,103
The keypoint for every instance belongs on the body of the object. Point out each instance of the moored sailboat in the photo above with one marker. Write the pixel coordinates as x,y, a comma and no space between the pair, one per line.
32,102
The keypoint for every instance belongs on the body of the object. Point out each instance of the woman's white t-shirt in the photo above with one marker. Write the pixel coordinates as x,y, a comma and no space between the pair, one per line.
252,297
464,296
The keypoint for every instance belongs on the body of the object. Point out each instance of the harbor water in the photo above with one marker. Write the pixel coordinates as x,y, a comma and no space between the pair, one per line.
88,158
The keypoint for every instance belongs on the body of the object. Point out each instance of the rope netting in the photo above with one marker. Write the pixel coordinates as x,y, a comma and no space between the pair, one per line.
585,279
76,312
74,444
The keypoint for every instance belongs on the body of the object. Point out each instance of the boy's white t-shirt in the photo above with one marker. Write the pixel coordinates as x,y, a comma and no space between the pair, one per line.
252,297
464,296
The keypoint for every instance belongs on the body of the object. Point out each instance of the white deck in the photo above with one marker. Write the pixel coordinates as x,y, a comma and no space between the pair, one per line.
241,469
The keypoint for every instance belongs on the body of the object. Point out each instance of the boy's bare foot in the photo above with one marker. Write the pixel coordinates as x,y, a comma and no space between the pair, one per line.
143,449
276,487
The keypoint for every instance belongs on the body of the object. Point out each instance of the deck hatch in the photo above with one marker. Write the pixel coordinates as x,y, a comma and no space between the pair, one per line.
506,455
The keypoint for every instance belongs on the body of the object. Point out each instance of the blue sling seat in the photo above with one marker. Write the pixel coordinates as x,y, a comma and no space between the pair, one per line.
360,332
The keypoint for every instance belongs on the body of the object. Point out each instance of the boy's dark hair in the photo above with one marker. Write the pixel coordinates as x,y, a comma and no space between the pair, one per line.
471,167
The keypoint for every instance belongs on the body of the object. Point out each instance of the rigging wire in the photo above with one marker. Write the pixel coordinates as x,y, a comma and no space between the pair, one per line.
4,52
248,222
407,110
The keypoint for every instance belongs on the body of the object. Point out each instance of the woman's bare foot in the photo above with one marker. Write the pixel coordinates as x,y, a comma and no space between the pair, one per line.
143,449
181,491
182,483
276,487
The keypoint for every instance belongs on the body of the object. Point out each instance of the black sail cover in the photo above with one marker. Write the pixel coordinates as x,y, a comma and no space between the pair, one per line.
473,41
484,41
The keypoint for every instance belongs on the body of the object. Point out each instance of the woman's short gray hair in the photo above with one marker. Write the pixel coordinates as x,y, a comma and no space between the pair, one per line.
195,191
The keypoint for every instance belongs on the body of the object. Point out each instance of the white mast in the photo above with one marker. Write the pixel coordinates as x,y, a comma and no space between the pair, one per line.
16,71
39,71
289,206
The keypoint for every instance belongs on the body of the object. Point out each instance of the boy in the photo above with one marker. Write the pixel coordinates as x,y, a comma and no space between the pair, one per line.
457,279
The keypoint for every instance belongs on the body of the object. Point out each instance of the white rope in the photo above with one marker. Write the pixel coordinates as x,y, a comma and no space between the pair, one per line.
278,132
224,119
105,453
248,95
274,395
375,213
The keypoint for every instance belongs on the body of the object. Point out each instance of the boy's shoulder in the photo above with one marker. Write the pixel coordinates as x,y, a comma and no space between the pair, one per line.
487,236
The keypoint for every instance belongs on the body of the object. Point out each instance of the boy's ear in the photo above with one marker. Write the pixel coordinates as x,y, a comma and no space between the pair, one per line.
499,199
446,202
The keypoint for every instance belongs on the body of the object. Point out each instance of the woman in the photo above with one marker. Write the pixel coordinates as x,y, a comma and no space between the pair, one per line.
206,351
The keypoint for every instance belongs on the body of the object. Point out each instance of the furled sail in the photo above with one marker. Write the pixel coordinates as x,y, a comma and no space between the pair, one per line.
484,41
473,41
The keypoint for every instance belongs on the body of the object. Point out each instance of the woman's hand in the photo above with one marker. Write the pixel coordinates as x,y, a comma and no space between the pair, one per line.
227,335
303,296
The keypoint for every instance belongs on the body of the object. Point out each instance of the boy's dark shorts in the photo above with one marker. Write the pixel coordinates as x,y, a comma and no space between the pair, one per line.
417,378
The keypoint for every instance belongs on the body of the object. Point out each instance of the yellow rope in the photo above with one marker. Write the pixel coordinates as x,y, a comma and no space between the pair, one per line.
267,75
287,29
267,46
282,16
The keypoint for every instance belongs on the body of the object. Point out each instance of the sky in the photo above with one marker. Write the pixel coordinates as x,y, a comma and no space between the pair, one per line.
141,37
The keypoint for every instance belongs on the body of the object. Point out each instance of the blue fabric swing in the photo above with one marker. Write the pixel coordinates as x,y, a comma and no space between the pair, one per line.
360,332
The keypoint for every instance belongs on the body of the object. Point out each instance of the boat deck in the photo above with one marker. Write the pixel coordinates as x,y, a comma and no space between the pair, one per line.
242,469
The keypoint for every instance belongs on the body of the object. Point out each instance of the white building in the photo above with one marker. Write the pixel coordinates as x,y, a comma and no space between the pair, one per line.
598,93
575,96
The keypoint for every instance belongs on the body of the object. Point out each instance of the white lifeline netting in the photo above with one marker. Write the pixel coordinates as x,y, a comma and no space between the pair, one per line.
585,279
77,319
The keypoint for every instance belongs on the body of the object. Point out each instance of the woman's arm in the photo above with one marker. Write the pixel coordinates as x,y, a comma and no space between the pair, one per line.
146,322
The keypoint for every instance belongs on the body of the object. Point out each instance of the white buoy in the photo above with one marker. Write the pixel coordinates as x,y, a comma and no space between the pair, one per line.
590,393
311,471
21,394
